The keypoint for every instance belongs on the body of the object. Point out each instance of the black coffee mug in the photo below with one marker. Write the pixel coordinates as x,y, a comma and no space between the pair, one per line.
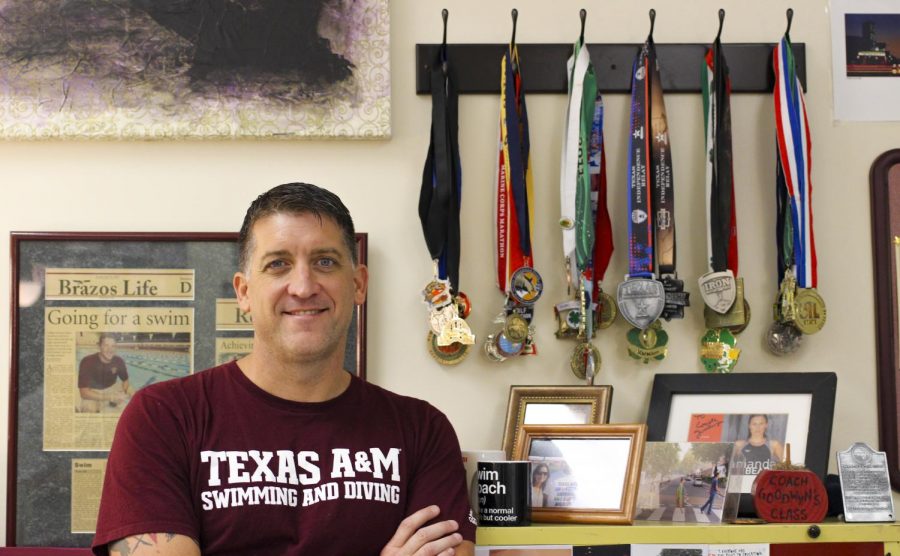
504,493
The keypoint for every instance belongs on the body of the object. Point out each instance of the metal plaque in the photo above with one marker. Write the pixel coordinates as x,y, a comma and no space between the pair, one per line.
865,485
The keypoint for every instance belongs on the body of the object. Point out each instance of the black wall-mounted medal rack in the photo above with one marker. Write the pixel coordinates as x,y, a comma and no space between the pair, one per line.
477,66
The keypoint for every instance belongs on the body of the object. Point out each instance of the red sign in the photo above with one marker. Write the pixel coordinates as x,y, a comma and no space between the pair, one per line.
796,496
705,427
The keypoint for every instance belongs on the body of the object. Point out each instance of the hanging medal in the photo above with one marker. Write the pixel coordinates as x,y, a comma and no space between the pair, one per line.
799,309
585,223
641,297
726,312
449,336
516,277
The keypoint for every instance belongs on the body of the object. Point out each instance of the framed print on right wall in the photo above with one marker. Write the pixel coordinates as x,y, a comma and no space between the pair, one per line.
760,412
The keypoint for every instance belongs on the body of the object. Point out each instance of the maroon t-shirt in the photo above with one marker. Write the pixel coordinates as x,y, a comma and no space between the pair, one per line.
214,457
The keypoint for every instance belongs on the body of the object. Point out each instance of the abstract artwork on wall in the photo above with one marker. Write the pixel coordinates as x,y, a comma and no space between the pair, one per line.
158,69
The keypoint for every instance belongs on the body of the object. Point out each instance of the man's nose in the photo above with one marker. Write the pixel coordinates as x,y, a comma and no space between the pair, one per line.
302,281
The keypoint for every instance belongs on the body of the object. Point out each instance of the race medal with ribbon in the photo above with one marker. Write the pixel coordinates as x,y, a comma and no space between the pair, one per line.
439,201
726,312
642,298
585,223
799,308
516,277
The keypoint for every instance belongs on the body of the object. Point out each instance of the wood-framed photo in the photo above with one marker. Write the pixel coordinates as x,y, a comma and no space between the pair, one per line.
884,179
109,313
759,412
554,405
583,473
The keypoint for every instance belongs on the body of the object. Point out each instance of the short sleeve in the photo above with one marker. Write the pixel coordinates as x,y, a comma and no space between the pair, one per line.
439,476
123,371
147,486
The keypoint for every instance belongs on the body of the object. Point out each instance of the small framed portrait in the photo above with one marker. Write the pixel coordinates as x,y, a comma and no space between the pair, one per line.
760,413
583,473
554,405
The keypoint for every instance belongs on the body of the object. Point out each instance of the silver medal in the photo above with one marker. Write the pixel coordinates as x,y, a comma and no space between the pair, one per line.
719,290
641,301
783,338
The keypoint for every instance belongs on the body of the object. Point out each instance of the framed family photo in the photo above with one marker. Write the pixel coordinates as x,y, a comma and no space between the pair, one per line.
554,405
760,413
583,473
95,318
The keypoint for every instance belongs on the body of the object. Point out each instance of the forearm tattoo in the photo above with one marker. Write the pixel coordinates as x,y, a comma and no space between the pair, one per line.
146,544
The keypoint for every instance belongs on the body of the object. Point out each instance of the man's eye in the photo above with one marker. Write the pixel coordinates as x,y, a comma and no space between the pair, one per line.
277,264
327,262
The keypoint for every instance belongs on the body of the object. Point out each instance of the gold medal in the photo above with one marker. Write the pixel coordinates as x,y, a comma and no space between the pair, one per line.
810,314
446,355
585,361
516,328
607,311
741,327
648,344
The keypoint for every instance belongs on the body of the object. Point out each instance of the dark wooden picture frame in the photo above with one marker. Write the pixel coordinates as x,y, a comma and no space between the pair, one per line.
884,180
39,485
822,387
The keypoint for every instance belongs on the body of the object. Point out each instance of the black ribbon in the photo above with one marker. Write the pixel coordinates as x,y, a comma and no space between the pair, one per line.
519,148
722,187
441,192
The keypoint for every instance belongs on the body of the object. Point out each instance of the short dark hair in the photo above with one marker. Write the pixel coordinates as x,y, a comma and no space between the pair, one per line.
296,198
107,336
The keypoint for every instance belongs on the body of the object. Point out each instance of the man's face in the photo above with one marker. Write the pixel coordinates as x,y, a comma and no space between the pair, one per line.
107,349
300,287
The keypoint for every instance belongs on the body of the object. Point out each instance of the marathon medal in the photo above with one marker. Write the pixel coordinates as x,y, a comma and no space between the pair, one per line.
641,301
649,344
585,223
810,315
641,298
585,361
736,317
719,290
607,311
783,338
440,198
799,309
718,351
516,278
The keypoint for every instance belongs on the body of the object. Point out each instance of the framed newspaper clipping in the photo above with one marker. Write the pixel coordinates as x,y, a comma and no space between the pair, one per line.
95,318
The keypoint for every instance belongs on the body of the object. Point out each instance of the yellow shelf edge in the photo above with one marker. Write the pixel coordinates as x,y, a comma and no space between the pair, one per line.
643,532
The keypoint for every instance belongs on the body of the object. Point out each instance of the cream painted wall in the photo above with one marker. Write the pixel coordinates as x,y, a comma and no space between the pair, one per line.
206,186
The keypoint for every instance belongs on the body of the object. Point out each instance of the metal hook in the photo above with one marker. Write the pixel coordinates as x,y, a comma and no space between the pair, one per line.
790,18
515,18
444,15
583,15
652,23
721,23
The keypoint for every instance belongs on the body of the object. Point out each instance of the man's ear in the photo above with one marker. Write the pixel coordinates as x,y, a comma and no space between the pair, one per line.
241,284
361,283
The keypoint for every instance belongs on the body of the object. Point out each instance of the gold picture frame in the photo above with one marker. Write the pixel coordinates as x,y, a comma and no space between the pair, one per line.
556,405
583,473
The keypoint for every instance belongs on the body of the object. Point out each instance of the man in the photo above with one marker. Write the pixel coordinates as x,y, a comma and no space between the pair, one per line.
99,375
283,452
